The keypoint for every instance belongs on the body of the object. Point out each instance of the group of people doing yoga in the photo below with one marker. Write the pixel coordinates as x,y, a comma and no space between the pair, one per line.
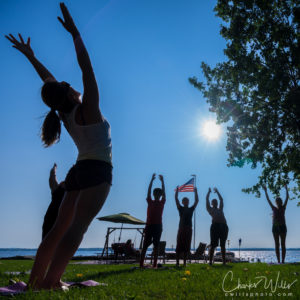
218,228
88,182
153,229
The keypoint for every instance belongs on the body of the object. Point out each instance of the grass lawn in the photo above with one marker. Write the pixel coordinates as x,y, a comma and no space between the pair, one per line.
196,281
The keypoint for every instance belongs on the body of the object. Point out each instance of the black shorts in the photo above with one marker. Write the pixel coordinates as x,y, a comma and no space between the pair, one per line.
152,235
87,173
218,231
279,229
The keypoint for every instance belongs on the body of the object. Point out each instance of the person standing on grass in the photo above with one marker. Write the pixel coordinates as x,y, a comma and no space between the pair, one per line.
153,227
57,195
218,228
88,182
279,226
185,230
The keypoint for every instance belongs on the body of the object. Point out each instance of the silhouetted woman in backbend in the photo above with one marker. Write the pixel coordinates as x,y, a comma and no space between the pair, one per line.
88,181
279,227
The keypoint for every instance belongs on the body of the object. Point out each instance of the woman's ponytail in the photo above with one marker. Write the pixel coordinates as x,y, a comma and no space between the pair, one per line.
51,129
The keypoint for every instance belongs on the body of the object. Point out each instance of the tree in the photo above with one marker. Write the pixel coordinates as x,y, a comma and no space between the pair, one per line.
256,90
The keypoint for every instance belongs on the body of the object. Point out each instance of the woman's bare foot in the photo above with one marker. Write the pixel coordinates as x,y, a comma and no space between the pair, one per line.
64,283
56,286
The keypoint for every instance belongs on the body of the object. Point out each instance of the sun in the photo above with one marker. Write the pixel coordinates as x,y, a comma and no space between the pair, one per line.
211,130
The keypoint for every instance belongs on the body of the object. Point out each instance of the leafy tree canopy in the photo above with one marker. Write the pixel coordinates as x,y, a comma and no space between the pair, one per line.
256,90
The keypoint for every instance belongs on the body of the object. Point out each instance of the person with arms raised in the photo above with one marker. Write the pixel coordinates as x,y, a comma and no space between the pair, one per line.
218,228
88,182
57,195
153,229
279,229
185,230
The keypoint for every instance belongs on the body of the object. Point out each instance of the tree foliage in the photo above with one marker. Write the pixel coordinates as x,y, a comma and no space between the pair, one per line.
256,89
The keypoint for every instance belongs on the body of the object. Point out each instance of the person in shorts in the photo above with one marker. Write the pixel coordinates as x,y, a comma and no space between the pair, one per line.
153,227
185,230
89,181
218,228
279,228
57,195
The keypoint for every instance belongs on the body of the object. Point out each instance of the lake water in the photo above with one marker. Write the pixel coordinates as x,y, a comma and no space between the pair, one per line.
252,254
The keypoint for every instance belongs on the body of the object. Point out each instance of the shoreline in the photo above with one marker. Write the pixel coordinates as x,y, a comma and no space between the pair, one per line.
252,255
167,248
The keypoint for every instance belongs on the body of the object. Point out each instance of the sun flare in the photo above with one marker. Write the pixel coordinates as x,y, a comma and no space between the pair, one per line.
211,130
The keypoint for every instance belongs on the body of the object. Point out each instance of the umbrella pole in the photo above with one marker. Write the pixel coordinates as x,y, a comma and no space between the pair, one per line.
142,238
120,232
105,249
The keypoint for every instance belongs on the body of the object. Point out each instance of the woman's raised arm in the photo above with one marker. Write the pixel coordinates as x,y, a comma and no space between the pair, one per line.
90,97
208,207
267,196
176,198
25,48
286,197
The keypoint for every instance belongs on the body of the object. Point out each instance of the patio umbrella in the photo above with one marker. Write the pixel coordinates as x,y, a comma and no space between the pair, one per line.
123,218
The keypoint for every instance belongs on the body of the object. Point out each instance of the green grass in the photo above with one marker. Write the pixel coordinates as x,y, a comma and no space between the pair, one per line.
203,282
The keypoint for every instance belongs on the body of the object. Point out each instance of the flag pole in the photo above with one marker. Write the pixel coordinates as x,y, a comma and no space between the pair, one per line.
194,217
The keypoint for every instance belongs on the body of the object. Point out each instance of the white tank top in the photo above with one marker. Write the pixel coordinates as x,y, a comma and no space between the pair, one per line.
92,141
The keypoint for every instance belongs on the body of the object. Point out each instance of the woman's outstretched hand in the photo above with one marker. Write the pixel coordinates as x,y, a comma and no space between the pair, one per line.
68,22
23,47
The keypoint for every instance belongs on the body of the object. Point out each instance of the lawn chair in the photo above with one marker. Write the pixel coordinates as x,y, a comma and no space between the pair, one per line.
126,250
118,248
161,251
200,252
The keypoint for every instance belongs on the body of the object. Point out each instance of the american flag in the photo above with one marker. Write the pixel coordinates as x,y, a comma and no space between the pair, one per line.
188,186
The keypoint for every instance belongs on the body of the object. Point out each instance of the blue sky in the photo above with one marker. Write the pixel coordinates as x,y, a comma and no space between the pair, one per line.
143,53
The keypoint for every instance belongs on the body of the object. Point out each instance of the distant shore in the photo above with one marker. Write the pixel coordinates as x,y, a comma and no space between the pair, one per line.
249,254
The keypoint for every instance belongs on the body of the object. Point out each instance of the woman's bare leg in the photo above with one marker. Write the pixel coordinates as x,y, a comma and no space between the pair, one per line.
88,204
283,248
223,251
50,242
177,259
185,254
211,254
143,254
276,239
155,256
